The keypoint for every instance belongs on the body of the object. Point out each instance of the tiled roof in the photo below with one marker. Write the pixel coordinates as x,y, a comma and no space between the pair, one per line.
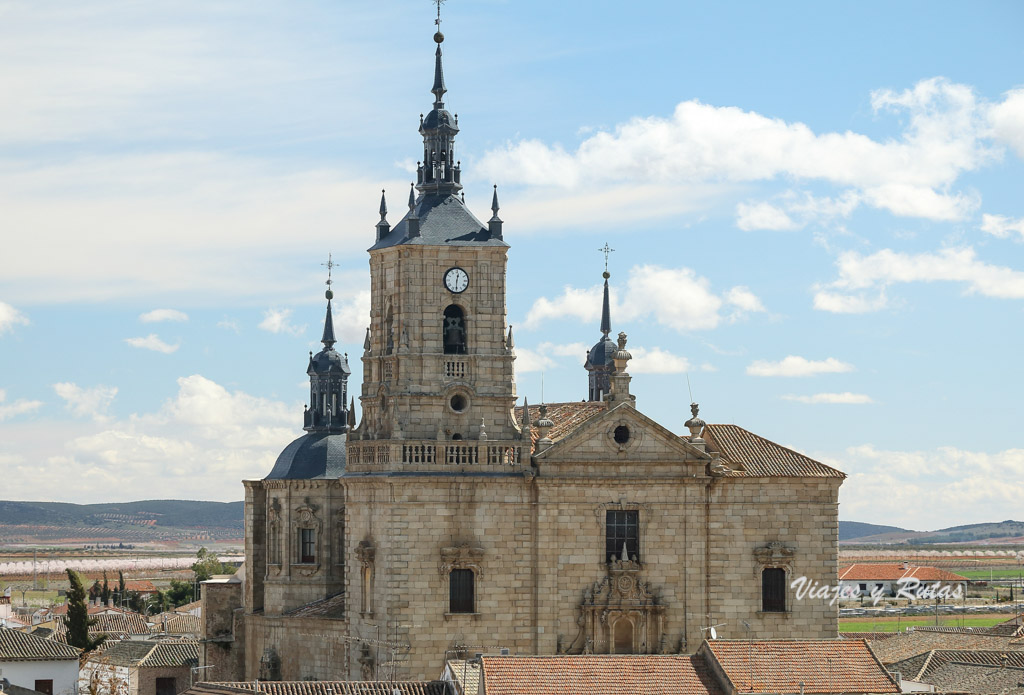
21,646
636,674
189,607
466,674
113,624
566,416
140,585
811,666
321,688
761,458
149,653
869,636
183,624
929,661
331,608
866,571
907,644
958,677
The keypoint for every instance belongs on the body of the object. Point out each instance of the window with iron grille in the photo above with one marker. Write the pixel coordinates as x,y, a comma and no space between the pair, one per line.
460,591
773,590
622,528
307,545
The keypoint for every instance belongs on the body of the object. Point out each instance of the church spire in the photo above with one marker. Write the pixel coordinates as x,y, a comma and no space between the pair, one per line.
439,171
328,377
599,364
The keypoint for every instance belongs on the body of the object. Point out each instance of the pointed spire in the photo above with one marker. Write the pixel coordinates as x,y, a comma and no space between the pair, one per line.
606,314
412,196
366,340
510,342
494,201
494,224
412,219
527,435
438,89
352,414
383,207
328,339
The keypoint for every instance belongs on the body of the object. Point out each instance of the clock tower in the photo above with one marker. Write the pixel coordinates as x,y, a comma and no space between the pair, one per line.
438,355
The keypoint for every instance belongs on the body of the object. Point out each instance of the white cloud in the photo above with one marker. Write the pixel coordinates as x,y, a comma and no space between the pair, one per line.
1001,226
201,443
794,365
657,361
163,315
279,321
1007,119
910,175
877,271
86,402
890,485
154,343
750,216
230,325
18,407
837,398
10,317
532,361
674,297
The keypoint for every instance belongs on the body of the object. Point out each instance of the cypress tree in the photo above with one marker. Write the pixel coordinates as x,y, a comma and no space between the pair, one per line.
77,620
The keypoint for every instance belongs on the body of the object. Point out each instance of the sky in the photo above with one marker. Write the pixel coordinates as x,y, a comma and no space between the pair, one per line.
815,211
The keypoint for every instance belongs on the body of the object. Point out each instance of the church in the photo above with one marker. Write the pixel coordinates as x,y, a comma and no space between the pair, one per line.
450,520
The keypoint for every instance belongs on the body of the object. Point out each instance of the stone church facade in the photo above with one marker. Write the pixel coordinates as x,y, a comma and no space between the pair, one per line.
449,520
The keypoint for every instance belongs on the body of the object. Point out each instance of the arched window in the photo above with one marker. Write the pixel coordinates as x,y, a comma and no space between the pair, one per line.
454,331
389,332
461,591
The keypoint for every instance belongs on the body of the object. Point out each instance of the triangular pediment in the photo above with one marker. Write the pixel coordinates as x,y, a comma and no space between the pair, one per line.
622,434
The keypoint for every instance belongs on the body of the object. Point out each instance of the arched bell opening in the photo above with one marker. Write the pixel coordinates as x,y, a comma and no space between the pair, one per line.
454,331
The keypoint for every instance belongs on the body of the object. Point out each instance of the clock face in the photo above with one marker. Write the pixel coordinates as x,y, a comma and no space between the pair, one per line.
456,280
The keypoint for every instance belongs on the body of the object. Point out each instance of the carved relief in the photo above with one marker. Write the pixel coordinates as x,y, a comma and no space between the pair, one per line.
775,554
621,614
461,557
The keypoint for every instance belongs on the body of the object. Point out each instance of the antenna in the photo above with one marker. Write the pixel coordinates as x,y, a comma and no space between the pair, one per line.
689,390
712,630
542,386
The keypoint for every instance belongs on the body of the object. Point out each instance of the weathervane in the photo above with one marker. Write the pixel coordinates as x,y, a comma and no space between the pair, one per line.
607,249
329,265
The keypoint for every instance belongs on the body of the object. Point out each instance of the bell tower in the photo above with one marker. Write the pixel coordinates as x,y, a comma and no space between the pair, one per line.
438,354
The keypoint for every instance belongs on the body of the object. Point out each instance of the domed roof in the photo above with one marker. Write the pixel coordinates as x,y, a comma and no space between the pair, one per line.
328,360
601,354
313,455
437,118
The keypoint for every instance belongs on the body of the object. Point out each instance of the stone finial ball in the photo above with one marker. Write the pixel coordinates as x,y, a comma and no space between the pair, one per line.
329,294
606,275
438,37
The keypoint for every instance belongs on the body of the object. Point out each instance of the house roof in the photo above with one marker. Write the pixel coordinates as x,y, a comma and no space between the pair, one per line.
811,666
110,624
321,688
959,677
466,674
332,607
908,644
149,653
179,624
444,220
140,585
922,665
761,458
594,674
566,416
866,571
23,646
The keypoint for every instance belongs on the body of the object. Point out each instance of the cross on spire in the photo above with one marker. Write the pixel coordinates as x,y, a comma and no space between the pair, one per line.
329,265
607,250
438,20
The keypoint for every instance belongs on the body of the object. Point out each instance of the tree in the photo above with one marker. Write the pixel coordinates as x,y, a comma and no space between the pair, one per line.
105,592
208,564
77,620
179,593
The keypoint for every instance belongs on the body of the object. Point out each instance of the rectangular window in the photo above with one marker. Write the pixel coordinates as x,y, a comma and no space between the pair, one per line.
165,686
44,686
773,590
307,545
460,591
622,529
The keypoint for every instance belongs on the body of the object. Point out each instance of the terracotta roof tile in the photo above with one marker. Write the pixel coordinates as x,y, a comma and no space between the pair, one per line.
321,688
148,653
635,674
789,666
114,624
908,644
958,677
178,624
869,636
867,571
566,416
467,674
21,646
169,654
332,608
761,458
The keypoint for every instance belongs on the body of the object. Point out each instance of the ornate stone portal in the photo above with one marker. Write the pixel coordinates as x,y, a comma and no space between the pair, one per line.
620,614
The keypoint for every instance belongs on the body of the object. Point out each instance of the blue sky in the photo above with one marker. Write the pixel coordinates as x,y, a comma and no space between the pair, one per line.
815,210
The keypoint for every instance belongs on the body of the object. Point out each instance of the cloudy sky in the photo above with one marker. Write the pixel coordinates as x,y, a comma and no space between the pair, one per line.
816,214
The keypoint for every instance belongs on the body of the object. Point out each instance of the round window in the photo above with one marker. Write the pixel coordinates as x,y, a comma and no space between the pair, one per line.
621,434
458,402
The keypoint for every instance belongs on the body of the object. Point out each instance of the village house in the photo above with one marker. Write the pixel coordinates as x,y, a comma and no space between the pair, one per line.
867,579
39,664
140,667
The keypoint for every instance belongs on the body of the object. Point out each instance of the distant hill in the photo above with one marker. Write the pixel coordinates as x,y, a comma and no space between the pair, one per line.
856,532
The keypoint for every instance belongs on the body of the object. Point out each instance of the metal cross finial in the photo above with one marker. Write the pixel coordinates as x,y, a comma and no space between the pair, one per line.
438,20
329,265
607,250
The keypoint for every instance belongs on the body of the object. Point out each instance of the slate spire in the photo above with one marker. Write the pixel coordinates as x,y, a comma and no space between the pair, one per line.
606,314
438,89
439,171
328,377
328,339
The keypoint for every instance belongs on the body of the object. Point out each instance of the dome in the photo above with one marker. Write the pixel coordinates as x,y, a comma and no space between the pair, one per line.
438,118
601,354
328,360
313,455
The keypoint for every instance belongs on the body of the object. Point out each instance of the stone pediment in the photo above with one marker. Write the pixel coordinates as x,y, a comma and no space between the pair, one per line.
622,434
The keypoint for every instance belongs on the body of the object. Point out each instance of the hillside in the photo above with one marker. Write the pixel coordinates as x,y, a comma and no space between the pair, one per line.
1009,531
